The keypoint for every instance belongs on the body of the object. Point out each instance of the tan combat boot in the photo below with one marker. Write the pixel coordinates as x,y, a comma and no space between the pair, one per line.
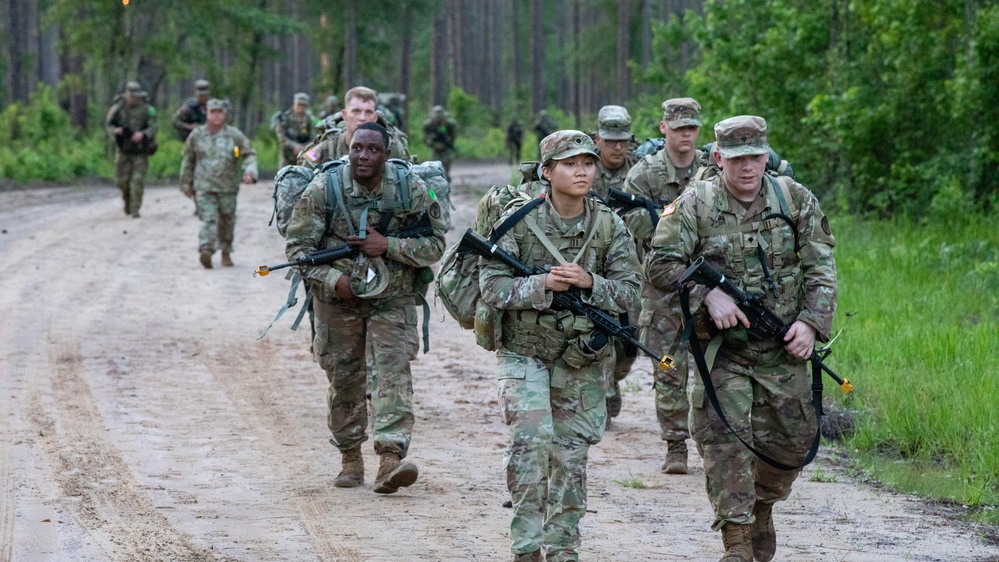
352,473
394,474
529,557
738,545
762,532
206,258
226,259
676,458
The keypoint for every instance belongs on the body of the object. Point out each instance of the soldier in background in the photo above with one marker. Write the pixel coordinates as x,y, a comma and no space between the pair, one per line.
393,106
193,111
762,385
439,133
661,177
295,129
514,139
132,123
332,107
214,154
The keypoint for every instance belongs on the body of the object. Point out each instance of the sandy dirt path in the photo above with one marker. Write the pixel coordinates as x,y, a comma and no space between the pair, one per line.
141,419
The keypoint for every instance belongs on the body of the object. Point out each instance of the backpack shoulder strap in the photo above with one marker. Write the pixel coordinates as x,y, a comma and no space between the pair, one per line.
513,219
783,192
334,193
402,171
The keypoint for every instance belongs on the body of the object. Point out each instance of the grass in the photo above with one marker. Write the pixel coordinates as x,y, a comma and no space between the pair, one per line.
920,351
633,482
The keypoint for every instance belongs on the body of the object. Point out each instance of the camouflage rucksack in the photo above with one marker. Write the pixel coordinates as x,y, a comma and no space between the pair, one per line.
432,173
289,184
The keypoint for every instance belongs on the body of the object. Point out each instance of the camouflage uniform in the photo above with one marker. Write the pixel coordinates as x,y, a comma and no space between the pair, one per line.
763,391
439,132
514,139
191,112
551,398
213,165
332,142
131,161
656,178
293,132
385,321
331,108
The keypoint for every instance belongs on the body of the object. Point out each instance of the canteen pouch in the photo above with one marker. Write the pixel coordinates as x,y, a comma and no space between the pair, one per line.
580,354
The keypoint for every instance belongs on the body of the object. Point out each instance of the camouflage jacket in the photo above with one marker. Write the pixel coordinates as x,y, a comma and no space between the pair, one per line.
605,179
332,143
189,112
609,257
135,118
308,233
655,178
708,221
216,163
440,133
292,131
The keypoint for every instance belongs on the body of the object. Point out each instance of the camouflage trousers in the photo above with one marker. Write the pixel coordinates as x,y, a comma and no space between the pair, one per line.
130,177
672,401
446,157
765,395
554,414
217,212
617,367
344,330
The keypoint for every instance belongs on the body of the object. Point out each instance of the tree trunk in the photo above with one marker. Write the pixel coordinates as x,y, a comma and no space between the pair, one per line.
623,12
646,38
538,98
350,46
457,54
439,59
404,56
577,77
518,55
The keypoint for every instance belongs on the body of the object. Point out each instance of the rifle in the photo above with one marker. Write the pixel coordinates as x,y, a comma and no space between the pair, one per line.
605,324
145,146
763,323
418,229
626,202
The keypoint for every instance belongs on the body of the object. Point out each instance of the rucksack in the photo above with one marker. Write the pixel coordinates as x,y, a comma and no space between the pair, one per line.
432,173
289,184
650,146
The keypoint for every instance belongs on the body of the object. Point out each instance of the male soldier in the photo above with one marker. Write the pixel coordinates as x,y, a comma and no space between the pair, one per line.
755,230
192,113
361,104
332,107
295,128
439,132
132,123
514,139
210,172
544,125
661,177
367,300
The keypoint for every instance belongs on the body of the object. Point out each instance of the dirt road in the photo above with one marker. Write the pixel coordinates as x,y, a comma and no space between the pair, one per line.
141,419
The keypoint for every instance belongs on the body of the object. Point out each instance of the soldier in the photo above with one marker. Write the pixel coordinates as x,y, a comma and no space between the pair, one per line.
439,132
210,172
754,229
544,125
295,128
334,142
132,123
192,113
368,300
613,141
331,108
661,177
514,139
551,385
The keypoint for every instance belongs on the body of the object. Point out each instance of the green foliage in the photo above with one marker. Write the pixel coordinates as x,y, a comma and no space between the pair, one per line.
921,351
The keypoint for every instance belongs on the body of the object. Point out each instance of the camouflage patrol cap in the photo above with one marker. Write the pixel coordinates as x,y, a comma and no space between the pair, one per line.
215,103
201,87
135,89
437,110
563,144
681,112
741,136
614,123
330,100
303,98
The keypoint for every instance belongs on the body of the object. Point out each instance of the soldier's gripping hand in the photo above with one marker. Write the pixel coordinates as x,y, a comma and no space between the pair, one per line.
343,289
137,137
723,310
800,340
248,178
570,274
372,245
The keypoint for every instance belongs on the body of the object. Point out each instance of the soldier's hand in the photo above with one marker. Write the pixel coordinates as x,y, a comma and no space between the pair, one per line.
572,274
248,178
343,289
723,310
118,131
800,340
137,137
372,245
553,283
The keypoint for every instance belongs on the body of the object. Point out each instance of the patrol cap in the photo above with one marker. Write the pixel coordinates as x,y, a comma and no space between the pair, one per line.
614,123
437,110
741,136
330,100
201,87
135,89
215,103
303,98
681,112
369,277
563,144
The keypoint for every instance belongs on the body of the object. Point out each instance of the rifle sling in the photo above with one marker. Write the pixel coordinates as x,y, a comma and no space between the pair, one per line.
709,389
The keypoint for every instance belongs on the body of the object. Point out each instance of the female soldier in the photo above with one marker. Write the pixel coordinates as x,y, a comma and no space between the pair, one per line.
551,386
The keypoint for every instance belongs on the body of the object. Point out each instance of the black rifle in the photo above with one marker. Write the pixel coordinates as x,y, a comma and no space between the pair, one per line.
145,146
626,202
418,229
763,323
605,324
